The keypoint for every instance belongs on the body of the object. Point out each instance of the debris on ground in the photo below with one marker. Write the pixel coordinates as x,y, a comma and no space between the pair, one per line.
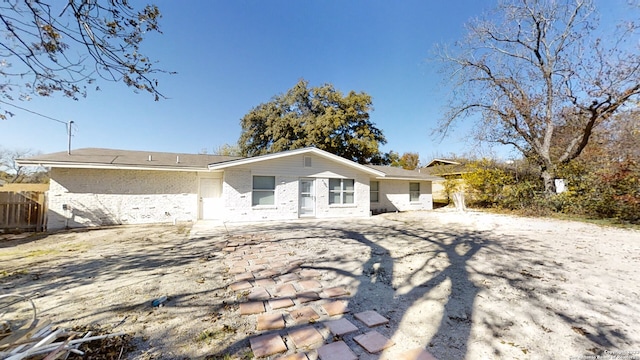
24,336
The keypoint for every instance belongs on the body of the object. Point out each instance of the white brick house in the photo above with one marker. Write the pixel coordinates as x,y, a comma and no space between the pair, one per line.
92,187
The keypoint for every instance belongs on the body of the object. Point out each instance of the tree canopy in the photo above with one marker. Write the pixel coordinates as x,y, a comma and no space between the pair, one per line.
408,160
321,117
52,47
542,78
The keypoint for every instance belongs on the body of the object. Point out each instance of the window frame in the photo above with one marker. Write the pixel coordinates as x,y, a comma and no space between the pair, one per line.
376,191
255,191
343,192
414,195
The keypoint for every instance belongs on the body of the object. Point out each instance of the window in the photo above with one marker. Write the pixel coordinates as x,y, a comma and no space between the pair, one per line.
374,191
414,192
341,191
264,190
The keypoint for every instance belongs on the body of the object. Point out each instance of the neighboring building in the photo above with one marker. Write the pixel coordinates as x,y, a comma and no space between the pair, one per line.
441,162
447,169
92,187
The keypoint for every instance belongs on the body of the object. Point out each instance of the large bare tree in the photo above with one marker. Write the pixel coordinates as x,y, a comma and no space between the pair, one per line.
15,173
541,75
49,47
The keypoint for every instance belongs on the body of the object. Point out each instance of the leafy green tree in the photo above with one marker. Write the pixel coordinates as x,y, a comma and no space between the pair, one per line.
52,47
227,150
409,160
542,79
392,158
318,116
485,182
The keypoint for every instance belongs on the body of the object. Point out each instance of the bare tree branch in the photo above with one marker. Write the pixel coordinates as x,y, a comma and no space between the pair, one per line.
66,52
541,78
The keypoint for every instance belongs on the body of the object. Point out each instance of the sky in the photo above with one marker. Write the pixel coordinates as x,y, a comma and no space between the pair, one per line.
230,56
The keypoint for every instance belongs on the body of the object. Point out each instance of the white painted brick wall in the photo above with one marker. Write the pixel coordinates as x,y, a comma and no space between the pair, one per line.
238,184
96,197
394,196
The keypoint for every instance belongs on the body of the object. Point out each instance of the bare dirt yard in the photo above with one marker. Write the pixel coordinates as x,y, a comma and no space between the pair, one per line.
466,285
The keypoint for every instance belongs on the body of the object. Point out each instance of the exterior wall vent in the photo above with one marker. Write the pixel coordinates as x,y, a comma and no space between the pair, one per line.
307,161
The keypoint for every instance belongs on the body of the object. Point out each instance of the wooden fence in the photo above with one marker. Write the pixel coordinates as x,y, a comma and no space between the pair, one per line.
22,211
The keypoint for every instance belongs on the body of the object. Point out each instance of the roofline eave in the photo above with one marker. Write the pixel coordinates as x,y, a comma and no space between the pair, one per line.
54,164
316,151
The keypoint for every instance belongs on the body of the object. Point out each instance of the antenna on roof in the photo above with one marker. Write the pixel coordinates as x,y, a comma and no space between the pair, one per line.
69,134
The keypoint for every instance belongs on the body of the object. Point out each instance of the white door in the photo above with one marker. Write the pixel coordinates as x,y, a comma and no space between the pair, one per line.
210,198
307,198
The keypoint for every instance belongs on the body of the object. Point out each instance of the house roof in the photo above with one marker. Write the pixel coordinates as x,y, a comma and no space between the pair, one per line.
309,150
125,159
436,162
396,173
98,158
446,169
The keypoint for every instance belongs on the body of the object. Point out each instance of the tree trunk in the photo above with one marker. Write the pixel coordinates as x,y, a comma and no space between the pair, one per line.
549,176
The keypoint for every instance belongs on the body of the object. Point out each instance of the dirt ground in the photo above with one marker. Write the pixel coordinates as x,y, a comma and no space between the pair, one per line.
461,285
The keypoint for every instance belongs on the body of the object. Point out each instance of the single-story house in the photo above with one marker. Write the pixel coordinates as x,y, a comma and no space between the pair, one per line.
92,187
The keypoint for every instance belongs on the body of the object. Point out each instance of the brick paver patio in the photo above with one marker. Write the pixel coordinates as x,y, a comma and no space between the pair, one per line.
293,307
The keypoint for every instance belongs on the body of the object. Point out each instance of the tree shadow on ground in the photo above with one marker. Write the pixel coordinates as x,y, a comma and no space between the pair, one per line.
439,279
428,281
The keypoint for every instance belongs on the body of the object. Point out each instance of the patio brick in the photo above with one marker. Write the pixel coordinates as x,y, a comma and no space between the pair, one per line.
373,341
309,284
286,290
256,268
415,354
306,337
240,285
268,273
259,293
335,291
263,260
340,326
371,318
253,307
237,270
305,297
270,322
304,315
288,277
264,282
280,303
337,350
244,276
336,307
310,273
266,345
296,356
278,261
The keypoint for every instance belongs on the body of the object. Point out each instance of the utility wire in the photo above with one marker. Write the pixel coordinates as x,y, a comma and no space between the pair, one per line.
33,112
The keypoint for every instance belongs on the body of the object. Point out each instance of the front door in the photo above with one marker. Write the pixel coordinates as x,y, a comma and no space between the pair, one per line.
210,198
307,198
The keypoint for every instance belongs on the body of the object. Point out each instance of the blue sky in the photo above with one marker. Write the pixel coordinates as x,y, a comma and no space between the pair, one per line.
233,55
